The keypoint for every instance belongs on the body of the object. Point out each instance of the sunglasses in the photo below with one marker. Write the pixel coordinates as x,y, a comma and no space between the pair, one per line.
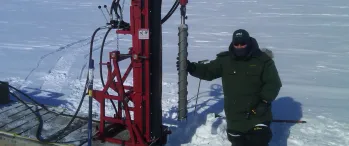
240,43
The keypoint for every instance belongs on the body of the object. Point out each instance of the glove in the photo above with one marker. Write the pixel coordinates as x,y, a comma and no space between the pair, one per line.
261,108
190,66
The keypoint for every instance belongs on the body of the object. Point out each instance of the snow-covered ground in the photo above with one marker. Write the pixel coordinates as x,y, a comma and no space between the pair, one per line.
44,47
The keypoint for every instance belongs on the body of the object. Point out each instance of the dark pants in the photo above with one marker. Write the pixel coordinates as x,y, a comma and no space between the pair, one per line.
260,135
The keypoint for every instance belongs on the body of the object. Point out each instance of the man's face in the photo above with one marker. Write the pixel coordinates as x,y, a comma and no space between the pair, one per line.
240,45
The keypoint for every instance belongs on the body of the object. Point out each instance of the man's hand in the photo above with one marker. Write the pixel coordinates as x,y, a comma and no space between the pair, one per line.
190,66
261,108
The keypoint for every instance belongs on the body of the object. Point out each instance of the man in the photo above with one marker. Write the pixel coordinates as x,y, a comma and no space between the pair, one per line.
250,83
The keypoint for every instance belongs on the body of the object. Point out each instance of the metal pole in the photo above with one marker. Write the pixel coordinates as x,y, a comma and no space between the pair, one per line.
183,82
197,94
182,72
90,88
274,120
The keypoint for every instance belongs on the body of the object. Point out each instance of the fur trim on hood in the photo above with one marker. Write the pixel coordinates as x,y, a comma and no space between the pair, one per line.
268,52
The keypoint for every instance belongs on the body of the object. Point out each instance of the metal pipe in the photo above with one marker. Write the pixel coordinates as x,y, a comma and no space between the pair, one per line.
90,89
183,14
274,120
182,72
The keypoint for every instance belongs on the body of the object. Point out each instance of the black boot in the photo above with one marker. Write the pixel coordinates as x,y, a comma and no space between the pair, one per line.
260,135
236,138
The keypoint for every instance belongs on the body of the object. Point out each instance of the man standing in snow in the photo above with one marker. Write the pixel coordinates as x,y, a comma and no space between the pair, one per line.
250,83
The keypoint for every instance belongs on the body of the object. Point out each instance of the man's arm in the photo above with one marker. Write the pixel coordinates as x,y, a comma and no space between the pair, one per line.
271,82
208,71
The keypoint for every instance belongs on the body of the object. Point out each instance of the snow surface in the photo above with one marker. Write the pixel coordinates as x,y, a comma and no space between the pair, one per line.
44,47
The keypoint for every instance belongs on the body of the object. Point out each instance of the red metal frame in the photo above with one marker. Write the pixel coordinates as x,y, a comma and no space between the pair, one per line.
139,93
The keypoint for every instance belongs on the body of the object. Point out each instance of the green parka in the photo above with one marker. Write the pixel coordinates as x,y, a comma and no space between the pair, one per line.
245,83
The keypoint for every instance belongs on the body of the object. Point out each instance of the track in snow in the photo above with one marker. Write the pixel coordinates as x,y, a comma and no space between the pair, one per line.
56,51
58,75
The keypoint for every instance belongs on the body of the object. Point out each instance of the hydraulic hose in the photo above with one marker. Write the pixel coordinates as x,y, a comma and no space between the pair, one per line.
100,66
116,4
83,95
90,98
172,10
101,56
39,130
58,134
115,8
35,102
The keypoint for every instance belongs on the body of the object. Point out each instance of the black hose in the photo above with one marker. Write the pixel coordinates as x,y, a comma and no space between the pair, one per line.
39,130
163,20
101,69
58,134
38,135
120,10
82,99
112,8
35,102
101,56
115,8
172,10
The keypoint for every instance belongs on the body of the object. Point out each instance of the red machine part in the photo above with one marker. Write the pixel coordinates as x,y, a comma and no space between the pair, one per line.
139,94
125,94
183,2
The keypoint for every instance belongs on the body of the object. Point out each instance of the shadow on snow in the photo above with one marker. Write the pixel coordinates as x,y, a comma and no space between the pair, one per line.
41,96
284,108
185,130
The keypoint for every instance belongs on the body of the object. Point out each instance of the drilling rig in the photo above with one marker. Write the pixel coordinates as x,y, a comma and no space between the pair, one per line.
145,125
137,120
